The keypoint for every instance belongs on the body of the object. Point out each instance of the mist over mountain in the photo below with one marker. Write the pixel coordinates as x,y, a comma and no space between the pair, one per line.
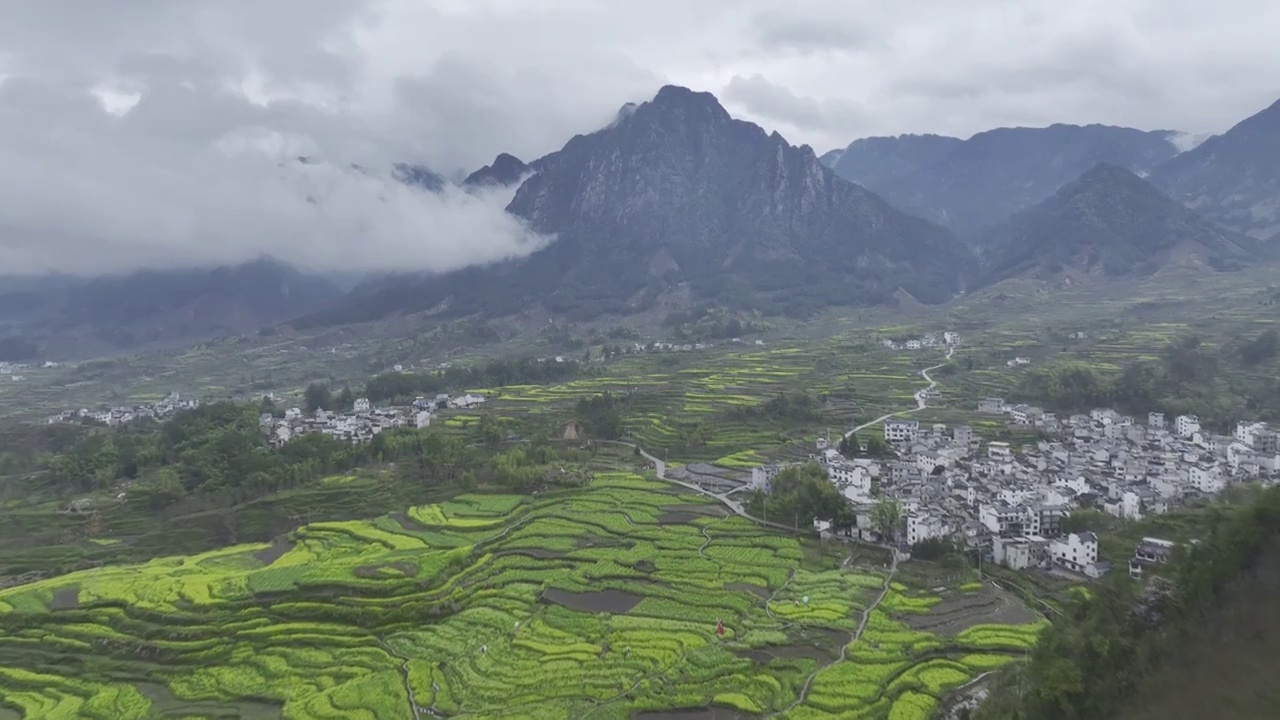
126,311
1232,178
506,170
675,192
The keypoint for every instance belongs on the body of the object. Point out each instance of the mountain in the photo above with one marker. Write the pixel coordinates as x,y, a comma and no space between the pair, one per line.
677,192
1111,222
419,176
969,185
1232,178
506,170
831,157
876,161
117,312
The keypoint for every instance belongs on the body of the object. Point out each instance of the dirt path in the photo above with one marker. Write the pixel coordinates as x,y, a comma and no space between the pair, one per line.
408,685
844,649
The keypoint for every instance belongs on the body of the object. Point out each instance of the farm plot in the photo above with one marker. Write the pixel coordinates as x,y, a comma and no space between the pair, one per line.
577,603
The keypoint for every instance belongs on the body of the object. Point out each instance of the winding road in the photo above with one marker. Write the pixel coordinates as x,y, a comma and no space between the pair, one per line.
737,507
921,400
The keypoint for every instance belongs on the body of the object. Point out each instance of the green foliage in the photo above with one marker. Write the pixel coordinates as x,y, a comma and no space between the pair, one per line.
1188,378
1091,662
403,387
600,415
801,494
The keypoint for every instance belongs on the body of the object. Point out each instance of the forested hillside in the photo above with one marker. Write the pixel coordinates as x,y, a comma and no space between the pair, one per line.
1197,641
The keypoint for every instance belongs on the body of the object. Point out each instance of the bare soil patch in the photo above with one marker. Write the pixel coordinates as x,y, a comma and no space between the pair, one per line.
610,601
406,522
710,713
764,656
275,551
760,592
960,610
370,572
540,553
66,599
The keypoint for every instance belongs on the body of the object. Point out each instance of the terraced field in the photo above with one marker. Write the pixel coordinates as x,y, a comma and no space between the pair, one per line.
675,397
595,603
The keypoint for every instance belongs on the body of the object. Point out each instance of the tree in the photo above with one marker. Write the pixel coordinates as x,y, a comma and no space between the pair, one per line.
886,517
345,400
488,431
876,447
318,397
267,406
1260,349
849,446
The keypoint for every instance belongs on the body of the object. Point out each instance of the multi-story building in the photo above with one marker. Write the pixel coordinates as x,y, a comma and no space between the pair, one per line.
898,431
1187,425
1076,551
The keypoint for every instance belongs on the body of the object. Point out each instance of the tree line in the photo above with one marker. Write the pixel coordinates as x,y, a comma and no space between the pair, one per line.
1190,377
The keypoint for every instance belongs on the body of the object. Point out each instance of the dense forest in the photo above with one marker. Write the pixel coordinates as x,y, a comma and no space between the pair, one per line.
1123,640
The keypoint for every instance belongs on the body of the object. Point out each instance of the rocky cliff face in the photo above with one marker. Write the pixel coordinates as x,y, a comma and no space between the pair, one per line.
506,170
723,198
676,192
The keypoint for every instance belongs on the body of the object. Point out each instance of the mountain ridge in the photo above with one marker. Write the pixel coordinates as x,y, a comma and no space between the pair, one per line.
740,216
968,185
1232,178
1111,222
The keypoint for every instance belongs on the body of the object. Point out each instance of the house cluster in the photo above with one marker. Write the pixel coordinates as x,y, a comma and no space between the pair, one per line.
946,339
121,416
1009,503
364,422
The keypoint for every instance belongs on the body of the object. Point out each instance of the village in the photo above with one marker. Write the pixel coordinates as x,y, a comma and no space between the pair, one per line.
363,422
121,416
1009,503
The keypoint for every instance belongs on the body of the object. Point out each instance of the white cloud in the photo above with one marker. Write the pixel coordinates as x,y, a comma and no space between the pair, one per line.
152,131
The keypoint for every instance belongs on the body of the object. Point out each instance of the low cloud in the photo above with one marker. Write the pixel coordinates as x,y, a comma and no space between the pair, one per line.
190,177
165,132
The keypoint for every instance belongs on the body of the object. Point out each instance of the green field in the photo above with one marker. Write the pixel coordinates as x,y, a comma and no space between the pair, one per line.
600,602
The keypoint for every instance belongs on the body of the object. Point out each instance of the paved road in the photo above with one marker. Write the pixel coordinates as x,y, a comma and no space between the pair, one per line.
736,506
921,402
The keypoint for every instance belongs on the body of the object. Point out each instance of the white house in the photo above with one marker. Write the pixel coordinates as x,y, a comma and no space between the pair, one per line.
1245,431
361,405
422,419
1207,478
999,449
1155,420
951,338
914,345
1187,425
1075,551
921,526
991,405
763,475
896,431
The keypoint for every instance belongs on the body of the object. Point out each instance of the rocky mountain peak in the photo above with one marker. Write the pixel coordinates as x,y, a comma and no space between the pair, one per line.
506,170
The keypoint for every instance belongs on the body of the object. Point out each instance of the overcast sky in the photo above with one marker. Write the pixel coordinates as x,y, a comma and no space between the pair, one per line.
160,132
